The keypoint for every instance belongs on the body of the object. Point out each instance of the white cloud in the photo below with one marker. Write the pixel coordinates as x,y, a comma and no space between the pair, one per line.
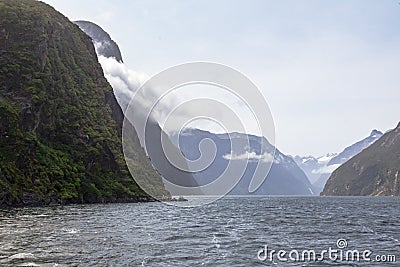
123,80
186,102
251,156
326,169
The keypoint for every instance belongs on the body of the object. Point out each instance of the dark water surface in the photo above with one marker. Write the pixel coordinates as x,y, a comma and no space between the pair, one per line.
229,232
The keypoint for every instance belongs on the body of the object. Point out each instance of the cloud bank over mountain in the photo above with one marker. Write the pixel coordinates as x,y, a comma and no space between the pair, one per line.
124,80
252,156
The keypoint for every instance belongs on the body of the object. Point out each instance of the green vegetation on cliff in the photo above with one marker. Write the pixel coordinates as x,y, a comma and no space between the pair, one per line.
60,125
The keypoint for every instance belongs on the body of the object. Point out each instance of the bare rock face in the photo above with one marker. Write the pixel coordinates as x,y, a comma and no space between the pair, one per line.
375,171
60,124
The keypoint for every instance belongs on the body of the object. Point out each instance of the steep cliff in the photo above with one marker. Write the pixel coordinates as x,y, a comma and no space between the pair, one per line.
60,124
375,171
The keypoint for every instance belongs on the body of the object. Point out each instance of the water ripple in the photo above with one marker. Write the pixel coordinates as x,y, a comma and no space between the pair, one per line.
228,232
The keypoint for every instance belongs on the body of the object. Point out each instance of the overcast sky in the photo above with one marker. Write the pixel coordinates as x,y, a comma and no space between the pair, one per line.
330,70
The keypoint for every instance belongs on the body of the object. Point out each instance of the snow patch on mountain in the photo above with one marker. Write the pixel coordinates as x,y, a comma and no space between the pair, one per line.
318,169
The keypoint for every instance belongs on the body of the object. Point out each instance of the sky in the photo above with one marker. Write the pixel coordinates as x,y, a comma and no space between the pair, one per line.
328,69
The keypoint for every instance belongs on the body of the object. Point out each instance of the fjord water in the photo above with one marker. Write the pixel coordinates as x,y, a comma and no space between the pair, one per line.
228,232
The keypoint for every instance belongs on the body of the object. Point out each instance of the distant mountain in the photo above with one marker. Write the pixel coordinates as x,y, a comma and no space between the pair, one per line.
356,148
108,48
374,171
102,41
284,178
313,167
155,150
319,169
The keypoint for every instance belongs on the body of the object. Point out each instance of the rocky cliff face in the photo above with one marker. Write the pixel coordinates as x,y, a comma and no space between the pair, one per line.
375,171
102,41
60,124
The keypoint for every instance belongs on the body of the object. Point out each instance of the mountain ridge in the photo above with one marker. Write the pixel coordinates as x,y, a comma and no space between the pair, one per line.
355,148
319,169
284,178
374,171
